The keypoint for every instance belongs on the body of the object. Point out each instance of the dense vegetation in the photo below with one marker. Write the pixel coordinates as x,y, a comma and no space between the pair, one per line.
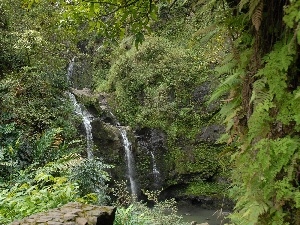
252,48
40,147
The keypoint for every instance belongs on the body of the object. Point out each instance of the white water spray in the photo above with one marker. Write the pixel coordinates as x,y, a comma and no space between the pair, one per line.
86,119
81,111
155,171
129,159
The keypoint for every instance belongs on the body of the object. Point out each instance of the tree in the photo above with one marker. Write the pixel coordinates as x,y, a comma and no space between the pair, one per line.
111,19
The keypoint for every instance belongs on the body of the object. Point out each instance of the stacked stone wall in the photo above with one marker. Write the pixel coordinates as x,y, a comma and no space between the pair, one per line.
72,214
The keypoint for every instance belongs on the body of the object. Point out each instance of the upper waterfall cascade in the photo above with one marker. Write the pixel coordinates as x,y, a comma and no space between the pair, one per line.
85,115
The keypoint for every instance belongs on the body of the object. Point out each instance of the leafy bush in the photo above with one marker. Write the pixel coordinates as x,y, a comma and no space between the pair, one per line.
91,177
138,213
38,189
201,160
152,86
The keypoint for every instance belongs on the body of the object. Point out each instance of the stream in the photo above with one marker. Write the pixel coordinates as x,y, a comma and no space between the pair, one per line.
191,213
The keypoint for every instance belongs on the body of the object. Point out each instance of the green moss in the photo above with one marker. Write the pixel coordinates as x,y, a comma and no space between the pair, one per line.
201,160
205,188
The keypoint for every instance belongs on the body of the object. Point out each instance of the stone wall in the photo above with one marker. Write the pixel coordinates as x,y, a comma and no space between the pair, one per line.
72,214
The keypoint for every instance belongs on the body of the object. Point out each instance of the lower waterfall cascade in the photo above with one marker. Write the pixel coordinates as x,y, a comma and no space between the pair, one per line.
130,161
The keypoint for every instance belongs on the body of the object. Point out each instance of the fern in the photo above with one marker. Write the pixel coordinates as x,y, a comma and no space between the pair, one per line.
259,93
230,83
266,128
242,4
254,6
44,145
256,15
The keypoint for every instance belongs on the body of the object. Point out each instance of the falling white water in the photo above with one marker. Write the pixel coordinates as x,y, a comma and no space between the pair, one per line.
85,115
70,69
86,119
154,168
129,159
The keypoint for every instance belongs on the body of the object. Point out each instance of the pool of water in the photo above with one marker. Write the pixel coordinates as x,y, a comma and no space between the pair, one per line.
191,213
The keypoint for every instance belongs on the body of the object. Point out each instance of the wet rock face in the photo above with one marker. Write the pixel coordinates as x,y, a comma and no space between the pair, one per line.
201,95
72,214
151,139
81,76
109,147
211,133
151,151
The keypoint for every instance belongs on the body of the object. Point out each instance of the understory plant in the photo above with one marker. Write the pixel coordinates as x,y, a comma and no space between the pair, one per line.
130,212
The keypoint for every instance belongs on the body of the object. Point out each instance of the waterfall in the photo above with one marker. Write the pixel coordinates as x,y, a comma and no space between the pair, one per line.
86,119
128,155
155,171
70,69
130,161
81,111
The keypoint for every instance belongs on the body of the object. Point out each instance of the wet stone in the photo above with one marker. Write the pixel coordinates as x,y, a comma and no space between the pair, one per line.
69,217
81,214
70,223
87,208
30,220
42,220
55,223
15,223
81,221
92,220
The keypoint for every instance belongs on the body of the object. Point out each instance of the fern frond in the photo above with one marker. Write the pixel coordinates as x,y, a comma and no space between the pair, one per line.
243,3
204,30
229,84
209,36
256,13
227,68
253,5
259,94
46,141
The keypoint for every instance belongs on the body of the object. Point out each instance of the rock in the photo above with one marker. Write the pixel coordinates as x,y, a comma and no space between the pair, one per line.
193,223
72,214
211,133
81,221
150,158
107,217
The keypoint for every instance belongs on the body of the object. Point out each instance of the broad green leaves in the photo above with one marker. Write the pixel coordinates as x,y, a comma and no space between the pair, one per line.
112,18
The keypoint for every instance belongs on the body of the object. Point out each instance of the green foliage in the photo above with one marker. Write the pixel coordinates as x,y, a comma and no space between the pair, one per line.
201,160
206,188
36,120
138,213
112,19
38,189
26,199
259,111
152,86
91,177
